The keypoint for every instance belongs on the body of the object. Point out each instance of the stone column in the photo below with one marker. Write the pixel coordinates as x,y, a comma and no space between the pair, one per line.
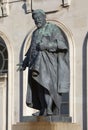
3,89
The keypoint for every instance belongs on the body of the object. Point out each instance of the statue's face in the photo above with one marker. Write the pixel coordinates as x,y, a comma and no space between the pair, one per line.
39,19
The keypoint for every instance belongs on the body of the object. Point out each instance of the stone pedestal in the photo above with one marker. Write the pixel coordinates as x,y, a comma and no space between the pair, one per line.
42,124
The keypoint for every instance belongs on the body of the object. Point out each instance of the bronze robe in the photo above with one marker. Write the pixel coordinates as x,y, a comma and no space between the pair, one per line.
50,65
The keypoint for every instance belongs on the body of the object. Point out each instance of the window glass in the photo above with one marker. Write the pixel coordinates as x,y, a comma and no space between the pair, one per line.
3,57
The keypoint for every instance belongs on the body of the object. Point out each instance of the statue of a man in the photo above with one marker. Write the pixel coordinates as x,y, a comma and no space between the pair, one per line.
48,63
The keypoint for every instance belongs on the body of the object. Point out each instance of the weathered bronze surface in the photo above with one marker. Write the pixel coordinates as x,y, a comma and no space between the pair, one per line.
48,63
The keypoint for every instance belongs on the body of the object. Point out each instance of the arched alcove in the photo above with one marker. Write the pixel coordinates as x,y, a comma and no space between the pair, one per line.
7,67
70,40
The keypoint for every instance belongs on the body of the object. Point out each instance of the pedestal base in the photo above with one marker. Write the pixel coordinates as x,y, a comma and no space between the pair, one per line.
53,118
46,125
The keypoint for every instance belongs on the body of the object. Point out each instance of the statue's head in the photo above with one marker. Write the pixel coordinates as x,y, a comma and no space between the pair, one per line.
39,17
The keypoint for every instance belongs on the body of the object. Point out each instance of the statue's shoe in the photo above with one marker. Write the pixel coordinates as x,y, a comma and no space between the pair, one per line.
36,114
49,112
42,112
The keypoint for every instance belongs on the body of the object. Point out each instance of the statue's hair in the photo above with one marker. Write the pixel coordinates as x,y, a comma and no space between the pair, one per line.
34,12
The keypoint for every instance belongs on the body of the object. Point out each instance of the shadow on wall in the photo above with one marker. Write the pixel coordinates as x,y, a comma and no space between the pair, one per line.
22,118
84,88
24,8
21,80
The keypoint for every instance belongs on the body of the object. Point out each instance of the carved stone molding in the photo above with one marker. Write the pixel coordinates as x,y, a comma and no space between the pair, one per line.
44,4
66,2
28,6
4,8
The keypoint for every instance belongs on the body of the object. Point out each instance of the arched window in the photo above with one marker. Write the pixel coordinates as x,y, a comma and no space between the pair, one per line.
3,57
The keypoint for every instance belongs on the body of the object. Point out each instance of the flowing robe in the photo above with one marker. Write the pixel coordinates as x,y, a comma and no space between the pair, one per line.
51,66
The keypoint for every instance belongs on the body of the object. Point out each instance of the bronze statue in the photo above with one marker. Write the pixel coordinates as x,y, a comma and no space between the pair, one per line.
48,63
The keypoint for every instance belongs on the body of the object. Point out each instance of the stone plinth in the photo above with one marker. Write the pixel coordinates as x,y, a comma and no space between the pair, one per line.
45,126
54,118
41,124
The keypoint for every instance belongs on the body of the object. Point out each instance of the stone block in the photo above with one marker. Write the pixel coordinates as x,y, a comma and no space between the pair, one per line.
39,125
47,123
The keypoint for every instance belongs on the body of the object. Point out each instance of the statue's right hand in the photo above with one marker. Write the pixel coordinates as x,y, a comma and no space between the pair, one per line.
20,68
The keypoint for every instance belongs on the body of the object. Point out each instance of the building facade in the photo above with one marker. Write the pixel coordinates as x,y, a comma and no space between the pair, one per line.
16,27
